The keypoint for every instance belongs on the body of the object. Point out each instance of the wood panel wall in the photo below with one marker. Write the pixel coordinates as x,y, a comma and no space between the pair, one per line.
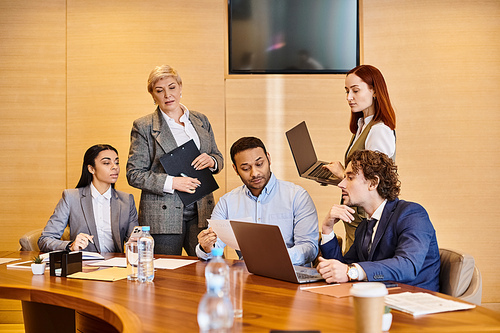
73,73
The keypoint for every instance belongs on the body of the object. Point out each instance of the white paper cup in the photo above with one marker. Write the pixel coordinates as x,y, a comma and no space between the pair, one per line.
369,303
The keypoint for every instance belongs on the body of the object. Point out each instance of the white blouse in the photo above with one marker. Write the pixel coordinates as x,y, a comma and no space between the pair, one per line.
380,138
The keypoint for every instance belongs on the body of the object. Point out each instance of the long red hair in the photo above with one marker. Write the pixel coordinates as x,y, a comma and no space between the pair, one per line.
382,104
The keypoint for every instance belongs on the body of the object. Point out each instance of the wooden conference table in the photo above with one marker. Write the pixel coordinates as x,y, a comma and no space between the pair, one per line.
170,303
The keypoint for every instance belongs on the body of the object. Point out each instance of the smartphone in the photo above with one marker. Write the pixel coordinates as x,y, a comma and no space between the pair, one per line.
389,284
136,233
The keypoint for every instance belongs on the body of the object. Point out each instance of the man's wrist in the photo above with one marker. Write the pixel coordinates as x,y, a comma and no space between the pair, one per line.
352,273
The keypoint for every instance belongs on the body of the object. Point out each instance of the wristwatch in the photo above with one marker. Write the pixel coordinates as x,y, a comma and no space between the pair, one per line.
352,272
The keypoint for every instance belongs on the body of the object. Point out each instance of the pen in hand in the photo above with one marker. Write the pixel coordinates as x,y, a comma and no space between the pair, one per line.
184,175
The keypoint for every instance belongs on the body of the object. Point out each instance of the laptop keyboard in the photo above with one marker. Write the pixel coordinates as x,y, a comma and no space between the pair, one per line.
321,172
306,273
305,276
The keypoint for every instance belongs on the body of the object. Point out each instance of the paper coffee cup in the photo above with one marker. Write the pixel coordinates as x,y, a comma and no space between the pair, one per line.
369,303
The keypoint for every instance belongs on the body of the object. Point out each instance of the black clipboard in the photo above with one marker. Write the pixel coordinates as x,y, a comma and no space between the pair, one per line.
179,161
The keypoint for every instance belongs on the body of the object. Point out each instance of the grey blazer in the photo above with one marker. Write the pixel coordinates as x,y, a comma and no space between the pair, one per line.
75,210
150,139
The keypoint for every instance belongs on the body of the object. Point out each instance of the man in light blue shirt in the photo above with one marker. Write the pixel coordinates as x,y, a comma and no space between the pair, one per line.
265,199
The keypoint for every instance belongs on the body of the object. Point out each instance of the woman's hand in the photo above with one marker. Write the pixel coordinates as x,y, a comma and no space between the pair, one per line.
336,168
81,242
203,161
185,184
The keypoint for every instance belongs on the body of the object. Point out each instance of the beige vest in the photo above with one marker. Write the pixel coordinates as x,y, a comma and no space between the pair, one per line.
350,228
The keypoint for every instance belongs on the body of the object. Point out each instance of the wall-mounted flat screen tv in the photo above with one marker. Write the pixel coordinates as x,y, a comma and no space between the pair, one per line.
293,36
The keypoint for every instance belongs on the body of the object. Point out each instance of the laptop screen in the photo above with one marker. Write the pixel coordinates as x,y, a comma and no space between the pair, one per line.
301,147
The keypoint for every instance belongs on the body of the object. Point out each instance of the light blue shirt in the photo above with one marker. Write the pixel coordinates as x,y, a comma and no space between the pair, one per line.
281,203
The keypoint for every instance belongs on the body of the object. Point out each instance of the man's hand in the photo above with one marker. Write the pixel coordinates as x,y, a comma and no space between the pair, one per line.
207,239
332,270
337,213
81,242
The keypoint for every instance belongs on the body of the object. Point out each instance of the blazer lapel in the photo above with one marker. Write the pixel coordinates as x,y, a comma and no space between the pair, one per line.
115,221
162,133
389,208
88,214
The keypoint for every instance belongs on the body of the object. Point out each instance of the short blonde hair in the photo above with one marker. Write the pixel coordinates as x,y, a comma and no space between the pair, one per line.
161,72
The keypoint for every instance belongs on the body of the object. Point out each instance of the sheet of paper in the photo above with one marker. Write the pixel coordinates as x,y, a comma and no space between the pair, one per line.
423,303
107,274
23,265
113,262
224,231
160,263
6,260
165,263
336,290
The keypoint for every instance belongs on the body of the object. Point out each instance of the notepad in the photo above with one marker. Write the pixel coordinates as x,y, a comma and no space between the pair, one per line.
178,161
107,274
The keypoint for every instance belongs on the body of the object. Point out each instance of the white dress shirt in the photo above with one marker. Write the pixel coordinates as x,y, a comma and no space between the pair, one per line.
182,134
101,203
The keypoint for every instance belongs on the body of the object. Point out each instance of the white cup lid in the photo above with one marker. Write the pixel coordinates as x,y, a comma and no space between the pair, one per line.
368,289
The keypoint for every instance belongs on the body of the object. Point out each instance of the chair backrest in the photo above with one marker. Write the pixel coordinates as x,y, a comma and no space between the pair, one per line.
29,241
459,277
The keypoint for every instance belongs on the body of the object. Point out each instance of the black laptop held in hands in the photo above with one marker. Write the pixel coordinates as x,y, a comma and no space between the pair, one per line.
265,253
305,158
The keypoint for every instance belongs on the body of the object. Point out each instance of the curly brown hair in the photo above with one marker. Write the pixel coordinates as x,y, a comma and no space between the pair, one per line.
377,165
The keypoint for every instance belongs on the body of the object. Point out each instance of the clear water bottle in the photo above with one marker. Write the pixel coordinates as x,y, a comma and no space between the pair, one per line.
215,311
217,267
145,244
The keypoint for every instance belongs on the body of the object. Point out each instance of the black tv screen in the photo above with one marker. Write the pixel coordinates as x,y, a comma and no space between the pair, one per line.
293,36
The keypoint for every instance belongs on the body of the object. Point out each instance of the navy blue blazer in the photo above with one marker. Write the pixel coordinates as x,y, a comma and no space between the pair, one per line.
404,248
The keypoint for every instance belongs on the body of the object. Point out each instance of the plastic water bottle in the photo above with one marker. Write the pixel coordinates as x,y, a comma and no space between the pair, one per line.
216,268
145,244
215,311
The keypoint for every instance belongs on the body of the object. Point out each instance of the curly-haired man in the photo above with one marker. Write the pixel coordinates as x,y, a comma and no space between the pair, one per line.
398,241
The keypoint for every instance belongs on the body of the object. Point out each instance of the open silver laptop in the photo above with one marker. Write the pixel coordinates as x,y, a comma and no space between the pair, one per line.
305,158
265,253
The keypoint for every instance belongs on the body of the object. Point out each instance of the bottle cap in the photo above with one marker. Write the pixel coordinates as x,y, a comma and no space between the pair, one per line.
146,228
217,252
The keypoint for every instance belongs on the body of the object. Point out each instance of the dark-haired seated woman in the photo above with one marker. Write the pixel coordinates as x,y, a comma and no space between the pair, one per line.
100,218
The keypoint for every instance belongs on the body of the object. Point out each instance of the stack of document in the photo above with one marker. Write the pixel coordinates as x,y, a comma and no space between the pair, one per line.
86,255
423,303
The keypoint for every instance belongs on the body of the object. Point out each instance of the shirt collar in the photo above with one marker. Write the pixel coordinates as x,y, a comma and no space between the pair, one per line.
363,121
184,118
266,190
96,194
377,214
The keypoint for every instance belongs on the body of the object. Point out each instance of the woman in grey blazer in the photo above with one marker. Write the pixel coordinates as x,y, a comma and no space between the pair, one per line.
173,225
100,218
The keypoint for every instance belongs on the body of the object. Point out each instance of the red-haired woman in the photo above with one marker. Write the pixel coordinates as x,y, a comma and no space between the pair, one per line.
372,124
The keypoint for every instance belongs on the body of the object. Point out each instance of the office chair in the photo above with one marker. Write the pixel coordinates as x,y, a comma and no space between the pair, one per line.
459,276
29,241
